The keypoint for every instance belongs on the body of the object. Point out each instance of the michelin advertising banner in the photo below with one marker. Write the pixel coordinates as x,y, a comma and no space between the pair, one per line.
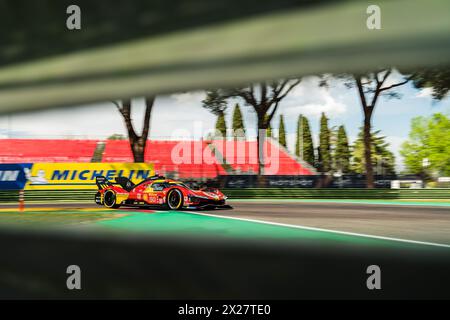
57,176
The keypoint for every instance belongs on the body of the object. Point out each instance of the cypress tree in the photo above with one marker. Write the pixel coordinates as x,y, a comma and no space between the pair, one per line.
221,126
298,142
238,123
324,147
342,151
282,132
308,147
269,128
304,148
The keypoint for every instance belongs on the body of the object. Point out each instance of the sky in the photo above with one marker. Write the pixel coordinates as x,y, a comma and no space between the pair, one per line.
181,115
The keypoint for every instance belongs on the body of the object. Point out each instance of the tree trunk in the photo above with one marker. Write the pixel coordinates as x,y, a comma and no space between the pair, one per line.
367,138
137,143
138,149
368,149
260,141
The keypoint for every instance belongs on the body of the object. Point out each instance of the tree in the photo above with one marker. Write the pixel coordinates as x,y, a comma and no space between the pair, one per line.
264,98
381,157
215,102
370,87
428,139
436,79
325,160
116,136
238,123
282,132
304,147
221,125
342,151
269,128
138,143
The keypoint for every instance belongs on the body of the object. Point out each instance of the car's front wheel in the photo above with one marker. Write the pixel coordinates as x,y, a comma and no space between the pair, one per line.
109,199
174,199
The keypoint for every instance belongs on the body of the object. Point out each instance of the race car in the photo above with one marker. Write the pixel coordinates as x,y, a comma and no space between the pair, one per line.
156,191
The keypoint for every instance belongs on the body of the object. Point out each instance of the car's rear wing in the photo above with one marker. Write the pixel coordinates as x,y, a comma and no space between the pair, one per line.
102,182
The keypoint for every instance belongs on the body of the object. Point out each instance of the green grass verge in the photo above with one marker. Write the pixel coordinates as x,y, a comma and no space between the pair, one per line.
52,219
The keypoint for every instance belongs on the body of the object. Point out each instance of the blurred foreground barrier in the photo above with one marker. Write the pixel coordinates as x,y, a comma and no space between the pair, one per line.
173,267
248,193
47,66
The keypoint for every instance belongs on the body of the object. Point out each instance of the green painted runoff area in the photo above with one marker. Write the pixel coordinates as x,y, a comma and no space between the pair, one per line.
184,223
191,224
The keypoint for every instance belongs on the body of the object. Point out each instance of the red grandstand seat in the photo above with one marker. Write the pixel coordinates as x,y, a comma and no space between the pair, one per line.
242,157
196,158
160,154
46,150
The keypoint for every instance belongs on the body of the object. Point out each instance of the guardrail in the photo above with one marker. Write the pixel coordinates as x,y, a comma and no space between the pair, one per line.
250,193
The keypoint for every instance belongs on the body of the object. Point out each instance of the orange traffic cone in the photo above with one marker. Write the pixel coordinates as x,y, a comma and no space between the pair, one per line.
21,201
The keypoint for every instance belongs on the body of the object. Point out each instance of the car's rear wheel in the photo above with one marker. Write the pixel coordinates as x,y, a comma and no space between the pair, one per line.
109,199
174,199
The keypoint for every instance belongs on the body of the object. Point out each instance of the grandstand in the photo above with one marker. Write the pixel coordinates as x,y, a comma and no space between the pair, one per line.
179,159
160,154
242,157
46,150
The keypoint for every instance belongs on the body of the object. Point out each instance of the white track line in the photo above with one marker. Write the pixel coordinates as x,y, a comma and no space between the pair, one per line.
325,230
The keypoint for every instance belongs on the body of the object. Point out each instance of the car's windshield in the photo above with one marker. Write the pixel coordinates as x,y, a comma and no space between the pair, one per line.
181,185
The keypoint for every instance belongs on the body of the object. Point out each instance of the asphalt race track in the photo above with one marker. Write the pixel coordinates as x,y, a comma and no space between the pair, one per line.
427,221
414,222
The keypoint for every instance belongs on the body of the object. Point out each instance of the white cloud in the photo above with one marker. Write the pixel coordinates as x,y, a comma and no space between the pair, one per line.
170,113
311,100
326,104
424,93
393,78
194,97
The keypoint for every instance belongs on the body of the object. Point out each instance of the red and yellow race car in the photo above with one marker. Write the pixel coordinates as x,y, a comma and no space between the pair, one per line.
156,191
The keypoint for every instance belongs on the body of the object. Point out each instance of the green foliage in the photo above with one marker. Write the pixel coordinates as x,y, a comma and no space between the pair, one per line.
436,79
325,160
383,160
304,147
221,125
342,151
215,102
262,97
298,140
116,136
269,126
238,123
282,132
429,138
